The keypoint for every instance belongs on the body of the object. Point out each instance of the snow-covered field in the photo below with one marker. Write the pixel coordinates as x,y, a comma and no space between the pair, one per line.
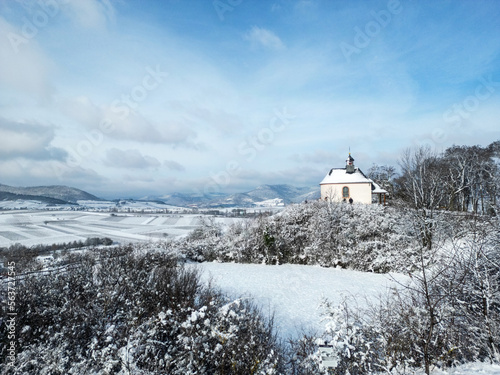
122,206
48,227
294,292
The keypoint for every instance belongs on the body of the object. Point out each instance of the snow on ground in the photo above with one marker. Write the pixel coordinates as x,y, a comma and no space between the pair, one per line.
276,202
126,205
295,292
468,369
22,204
292,292
47,227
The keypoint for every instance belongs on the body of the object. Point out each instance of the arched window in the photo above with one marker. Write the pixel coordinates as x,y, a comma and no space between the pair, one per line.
345,192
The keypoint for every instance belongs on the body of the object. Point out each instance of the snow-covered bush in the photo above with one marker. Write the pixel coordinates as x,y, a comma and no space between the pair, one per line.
304,357
447,314
357,346
363,237
478,295
202,243
124,311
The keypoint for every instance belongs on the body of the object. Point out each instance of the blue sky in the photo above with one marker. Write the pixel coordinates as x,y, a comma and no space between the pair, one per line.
134,98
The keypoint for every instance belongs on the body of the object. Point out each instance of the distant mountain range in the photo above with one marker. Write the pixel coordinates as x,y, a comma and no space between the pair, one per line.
55,194
275,194
264,195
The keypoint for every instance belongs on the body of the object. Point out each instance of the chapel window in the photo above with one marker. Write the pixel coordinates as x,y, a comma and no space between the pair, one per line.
345,192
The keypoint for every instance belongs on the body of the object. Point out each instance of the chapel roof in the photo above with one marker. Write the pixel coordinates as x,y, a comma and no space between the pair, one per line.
341,176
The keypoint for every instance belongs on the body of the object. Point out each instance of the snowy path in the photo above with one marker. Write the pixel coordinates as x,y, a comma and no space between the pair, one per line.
294,292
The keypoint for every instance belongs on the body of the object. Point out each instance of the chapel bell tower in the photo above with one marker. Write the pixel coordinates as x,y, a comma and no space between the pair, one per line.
349,166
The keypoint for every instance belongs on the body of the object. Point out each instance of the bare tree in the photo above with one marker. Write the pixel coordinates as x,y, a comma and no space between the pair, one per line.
471,177
421,186
384,176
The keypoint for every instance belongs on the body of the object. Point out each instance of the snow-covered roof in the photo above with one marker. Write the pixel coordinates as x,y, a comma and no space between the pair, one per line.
340,176
378,189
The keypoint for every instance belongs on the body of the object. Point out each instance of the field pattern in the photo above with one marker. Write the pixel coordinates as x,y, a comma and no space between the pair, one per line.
48,227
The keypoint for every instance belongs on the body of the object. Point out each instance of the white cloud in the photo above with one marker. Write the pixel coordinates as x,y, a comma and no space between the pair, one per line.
85,178
173,165
266,38
28,140
298,176
90,14
23,172
318,156
24,67
124,123
129,159
217,116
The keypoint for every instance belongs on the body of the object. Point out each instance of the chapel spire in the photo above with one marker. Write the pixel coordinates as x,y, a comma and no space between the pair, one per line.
349,166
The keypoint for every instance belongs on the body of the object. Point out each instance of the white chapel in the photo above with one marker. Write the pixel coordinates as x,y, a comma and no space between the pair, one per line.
350,184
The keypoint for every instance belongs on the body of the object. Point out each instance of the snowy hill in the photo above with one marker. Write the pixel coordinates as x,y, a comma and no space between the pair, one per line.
8,196
64,194
186,199
262,196
286,194
275,202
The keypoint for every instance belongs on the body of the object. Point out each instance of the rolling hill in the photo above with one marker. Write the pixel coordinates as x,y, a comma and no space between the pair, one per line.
280,194
264,195
60,194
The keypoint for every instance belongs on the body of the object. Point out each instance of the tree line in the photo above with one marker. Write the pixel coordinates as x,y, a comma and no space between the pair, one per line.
462,178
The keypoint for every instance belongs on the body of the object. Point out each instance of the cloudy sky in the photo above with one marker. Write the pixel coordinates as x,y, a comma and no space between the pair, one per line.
134,98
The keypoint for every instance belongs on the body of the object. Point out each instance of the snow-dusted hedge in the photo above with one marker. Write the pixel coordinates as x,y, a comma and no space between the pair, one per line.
362,237
125,311
447,314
